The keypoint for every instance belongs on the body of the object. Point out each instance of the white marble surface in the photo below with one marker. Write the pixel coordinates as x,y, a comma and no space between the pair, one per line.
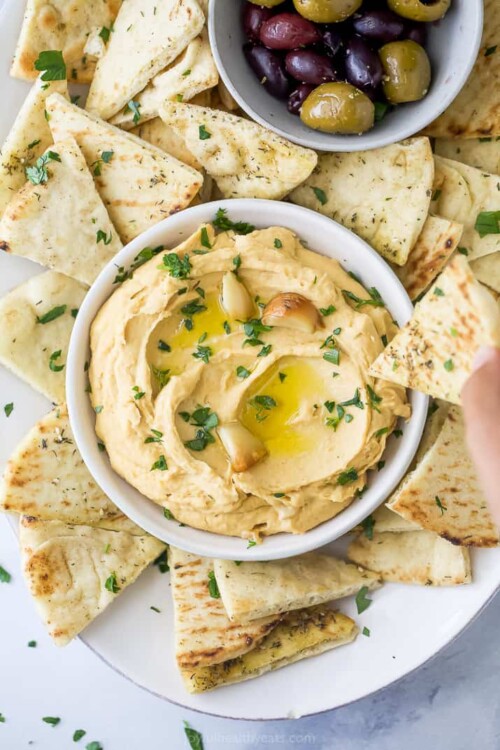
452,703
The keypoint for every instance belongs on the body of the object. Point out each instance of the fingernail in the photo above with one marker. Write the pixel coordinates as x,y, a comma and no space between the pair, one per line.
484,355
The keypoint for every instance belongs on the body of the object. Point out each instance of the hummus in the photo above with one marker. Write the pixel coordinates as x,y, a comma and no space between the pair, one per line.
170,368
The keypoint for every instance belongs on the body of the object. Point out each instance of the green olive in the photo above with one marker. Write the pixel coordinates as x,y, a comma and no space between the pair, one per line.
418,10
407,71
267,3
338,108
326,11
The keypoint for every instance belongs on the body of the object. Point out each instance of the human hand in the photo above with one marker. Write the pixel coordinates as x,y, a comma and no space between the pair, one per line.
481,405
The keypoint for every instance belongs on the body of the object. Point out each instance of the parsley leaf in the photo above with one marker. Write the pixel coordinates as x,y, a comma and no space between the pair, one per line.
9,408
449,365
53,314
320,195
135,107
52,361
160,464
213,588
178,268
242,372
440,505
111,584
203,352
5,577
53,65
78,734
368,525
375,298
224,223
204,238
345,477
487,222
38,174
52,720
103,237
203,133
362,601
327,310
162,561
194,738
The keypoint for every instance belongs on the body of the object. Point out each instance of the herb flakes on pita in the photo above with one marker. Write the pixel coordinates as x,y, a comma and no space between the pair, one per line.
36,350
419,557
61,25
58,219
140,185
74,572
28,138
255,589
301,634
383,195
204,634
161,135
433,352
245,159
147,36
487,270
481,153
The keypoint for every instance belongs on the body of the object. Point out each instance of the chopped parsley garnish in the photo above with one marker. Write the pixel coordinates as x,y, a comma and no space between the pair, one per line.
375,298
487,222
74,312
135,107
337,331
380,465
160,464
111,584
436,195
204,239
168,514
490,50
142,257
98,409
162,561
334,421
203,352
397,433
8,409
213,588
189,309
103,237
105,33
333,356
262,404
53,361
381,109
163,346
53,314
350,475
463,250
237,263
78,734
373,398
278,243
4,576
382,431
449,365
194,738
53,65
320,195
94,746
265,350
38,174
453,332
354,401
253,328
440,505
205,420
161,376
368,525
366,631
384,340
251,543
279,494
438,291
2,719
155,437
33,144
32,644
224,223
203,133
226,327
362,601
282,376
106,157
155,609
242,372
325,311
52,720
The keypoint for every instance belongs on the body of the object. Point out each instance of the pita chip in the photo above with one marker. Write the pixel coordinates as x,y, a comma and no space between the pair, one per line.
301,634
433,352
33,350
487,270
147,36
74,572
244,159
58,219
61,25
386,520
412,557
432,250
204,634
481,153
140,184
28,138
443,495
162,136
383,195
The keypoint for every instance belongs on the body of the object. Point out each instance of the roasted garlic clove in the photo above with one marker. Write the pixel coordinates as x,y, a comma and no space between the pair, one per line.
236,300
243,448
291,310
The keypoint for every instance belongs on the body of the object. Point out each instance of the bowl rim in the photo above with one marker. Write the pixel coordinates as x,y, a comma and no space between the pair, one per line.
148,514
379,136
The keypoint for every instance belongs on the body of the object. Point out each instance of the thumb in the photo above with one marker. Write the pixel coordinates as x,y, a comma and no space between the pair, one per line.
481,405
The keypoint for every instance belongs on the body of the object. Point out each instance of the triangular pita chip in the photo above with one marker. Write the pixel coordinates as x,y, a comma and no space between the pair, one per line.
147,36
383,195
27,140
487,270
443,495
161,135
28,347
204,634
255,589
245,159
61,25
462,193
191,73
61,222
303,633
75,572
412,557
140,185
476,110
481,153
435,245
46,478
385,519
433,352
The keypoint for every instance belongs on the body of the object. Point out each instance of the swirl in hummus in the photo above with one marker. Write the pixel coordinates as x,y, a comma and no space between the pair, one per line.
230,382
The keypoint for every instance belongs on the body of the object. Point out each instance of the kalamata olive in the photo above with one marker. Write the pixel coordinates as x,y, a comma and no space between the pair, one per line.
362,65
288,31
417,32
326,11
267,3
268,67
309,67
379,25
407,71
297,97
338,108
420,10
332,41
253,16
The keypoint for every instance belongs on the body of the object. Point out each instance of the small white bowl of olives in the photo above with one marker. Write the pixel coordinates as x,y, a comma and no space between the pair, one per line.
345,75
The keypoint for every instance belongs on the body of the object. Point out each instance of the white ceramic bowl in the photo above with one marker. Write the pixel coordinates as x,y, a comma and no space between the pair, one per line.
452,46
321,234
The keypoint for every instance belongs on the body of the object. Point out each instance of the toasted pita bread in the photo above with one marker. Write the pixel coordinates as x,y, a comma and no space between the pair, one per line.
244,159
476,110
303,633
46,478
147,36
412,557
432,250
481,153
443,495
487,270
433,352
164,137
385,520
204,634
461,193
26,346
28,138
61,223
383,195
191,73
250,590
61,25
141,184
71,569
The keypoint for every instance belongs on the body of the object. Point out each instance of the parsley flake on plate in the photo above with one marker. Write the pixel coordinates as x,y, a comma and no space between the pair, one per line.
362,601
194,738
9,408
